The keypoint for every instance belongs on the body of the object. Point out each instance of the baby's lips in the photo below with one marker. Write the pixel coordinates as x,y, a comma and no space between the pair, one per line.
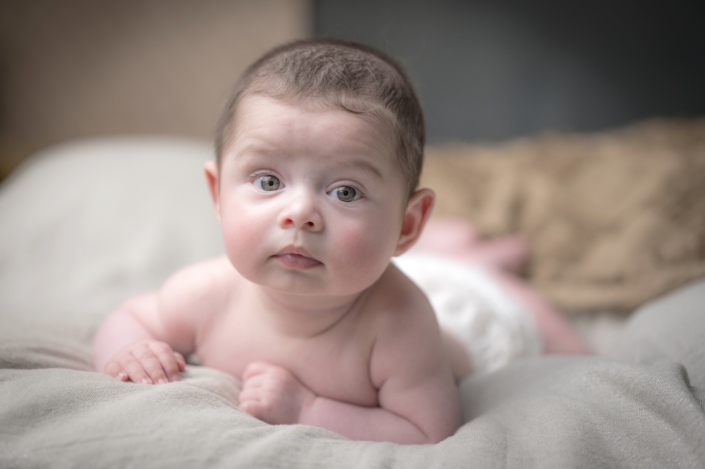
296,257
297,261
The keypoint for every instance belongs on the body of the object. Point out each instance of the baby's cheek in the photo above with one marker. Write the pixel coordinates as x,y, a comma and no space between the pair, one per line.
241,237
364,250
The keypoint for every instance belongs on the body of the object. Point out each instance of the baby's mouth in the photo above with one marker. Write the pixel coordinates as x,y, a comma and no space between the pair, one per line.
296,258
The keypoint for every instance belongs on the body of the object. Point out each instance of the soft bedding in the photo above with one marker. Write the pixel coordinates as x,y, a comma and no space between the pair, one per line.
84,225
614,219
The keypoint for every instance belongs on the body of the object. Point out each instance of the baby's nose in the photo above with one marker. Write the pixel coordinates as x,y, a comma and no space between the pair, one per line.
302,213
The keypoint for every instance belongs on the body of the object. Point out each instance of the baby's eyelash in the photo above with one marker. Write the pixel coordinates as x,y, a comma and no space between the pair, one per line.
266,180
359,193
260,173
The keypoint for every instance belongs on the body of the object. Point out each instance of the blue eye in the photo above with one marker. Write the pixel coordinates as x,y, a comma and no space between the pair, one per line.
345,193
267,183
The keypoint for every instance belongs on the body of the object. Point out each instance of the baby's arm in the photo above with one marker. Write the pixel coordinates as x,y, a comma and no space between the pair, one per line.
418,396
418,399
129,344
146,338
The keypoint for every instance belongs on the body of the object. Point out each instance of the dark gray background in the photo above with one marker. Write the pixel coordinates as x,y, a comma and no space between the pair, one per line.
491,70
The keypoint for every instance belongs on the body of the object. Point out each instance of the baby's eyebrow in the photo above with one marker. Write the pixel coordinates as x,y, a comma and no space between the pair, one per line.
365,166
257,148
251,149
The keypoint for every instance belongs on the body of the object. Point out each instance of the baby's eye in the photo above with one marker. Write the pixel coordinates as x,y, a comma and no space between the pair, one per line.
344,193
267,183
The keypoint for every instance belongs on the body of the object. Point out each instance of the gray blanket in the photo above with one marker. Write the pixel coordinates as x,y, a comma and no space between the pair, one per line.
83,226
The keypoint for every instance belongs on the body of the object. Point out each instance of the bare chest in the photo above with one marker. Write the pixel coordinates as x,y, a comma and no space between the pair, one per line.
334,365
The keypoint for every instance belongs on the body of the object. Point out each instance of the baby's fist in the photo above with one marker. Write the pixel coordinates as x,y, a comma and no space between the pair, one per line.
272,394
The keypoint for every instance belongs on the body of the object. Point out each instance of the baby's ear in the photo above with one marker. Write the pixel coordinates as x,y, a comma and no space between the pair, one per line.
211,170
418,210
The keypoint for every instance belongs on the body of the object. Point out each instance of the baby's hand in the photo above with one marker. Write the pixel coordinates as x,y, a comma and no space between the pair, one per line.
147,362
273,394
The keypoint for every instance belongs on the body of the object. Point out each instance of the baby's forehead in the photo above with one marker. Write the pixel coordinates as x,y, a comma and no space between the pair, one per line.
365,111
263,126
274,115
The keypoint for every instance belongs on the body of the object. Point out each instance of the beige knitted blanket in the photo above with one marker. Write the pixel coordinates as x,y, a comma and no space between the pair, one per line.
614,219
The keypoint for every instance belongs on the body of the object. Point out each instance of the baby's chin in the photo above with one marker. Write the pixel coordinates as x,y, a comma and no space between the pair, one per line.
298,284
318,281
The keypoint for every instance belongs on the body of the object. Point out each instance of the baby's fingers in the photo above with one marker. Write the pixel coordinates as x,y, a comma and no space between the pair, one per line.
135,371
253,408
115,370
143,366
167,367
250,402
180,361
255,369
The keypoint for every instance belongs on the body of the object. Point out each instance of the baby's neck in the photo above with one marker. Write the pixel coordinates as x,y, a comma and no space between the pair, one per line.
306,317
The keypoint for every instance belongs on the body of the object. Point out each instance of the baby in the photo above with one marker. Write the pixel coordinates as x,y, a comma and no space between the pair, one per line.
319,152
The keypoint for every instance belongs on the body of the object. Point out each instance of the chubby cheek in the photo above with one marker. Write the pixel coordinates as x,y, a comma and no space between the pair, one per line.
243,237
361,253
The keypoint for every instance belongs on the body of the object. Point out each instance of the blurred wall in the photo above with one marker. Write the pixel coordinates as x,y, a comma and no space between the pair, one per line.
76,68
495,69
486,69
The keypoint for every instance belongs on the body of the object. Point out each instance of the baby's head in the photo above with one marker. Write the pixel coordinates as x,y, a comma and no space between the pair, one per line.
319,152
342,75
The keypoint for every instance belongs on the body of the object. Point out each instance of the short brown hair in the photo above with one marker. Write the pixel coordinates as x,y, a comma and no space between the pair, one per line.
347,75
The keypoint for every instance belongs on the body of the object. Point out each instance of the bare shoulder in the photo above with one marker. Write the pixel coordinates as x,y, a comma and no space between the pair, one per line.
204,276
200,286
408,364
192,295
407,336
